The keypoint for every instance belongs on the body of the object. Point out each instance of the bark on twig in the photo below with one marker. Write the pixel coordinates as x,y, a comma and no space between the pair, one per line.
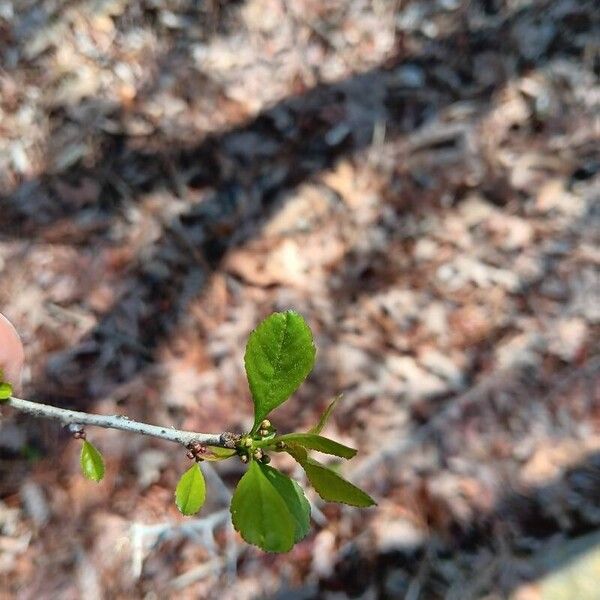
73,417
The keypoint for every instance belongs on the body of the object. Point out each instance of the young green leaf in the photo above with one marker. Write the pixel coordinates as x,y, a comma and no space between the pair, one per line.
215,453
298,453
332,487
311,441
5,391
279,355
260,513
91,462
191,491
294,498
325,416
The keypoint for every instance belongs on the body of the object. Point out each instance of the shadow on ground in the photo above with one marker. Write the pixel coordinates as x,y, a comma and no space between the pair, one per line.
243,176
529,534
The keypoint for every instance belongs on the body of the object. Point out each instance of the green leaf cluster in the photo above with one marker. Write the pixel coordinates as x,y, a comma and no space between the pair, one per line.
268,508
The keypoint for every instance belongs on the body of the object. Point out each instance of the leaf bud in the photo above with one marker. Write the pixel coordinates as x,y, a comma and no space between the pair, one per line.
197,448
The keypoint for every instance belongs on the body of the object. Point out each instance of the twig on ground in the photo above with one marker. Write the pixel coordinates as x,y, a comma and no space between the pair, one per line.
215,481
198,529
197,573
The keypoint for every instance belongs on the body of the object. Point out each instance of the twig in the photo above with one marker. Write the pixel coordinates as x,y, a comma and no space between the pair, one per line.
215,481
201,530
197,573
121,422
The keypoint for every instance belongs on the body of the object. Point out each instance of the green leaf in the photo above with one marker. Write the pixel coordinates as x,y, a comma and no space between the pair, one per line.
312,441
260,513
298,453
190,493
91,461
215,453
5,391
279,355
332,487
325,416
294,498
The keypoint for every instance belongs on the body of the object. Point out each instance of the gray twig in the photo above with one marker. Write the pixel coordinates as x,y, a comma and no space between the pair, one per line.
73,417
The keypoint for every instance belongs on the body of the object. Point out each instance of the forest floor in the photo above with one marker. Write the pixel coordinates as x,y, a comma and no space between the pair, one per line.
420,179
